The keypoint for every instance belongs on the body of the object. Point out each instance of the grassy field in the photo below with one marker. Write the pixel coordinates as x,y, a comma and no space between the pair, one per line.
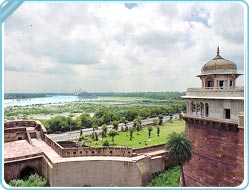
141,138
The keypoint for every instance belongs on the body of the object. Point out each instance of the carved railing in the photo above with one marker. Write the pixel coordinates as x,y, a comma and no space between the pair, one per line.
225,89
216,92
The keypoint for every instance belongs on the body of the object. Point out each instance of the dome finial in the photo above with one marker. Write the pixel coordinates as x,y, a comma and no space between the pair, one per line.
218,54
218,50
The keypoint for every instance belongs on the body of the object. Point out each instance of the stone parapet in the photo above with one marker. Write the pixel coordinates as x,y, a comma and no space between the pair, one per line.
17,130
149,149
54,145
215,92
97,151
204,121
88,151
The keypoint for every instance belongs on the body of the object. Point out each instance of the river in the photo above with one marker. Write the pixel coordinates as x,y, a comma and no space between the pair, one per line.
43,100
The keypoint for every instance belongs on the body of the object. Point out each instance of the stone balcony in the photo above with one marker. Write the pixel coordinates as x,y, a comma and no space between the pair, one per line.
234,93
204,118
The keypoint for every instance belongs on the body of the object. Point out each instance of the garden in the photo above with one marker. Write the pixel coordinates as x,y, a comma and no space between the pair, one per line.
140,138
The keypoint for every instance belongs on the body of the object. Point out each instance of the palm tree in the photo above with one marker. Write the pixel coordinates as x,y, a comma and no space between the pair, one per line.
149,130
179,149
158,131
94,128
160,117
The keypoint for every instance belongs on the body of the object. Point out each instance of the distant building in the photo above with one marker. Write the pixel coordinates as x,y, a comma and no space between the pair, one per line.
214,124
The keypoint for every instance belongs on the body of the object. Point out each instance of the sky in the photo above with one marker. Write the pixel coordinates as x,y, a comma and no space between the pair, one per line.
118,47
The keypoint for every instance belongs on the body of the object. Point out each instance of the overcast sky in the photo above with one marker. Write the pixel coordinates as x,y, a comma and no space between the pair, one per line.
61,47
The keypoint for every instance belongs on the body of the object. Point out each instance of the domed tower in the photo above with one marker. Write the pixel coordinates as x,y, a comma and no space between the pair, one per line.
214,124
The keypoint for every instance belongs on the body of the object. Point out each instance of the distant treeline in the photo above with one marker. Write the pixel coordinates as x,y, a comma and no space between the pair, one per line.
108,116
152,95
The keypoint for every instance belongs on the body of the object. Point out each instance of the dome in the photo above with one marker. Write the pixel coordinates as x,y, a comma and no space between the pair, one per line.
219,65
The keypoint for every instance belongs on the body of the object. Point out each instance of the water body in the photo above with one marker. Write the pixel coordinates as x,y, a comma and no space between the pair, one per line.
43,100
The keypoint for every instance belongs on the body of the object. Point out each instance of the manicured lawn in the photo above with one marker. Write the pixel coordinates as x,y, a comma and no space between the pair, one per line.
141,138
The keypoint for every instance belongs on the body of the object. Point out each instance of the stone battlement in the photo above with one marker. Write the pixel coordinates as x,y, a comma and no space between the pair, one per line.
19,130
78,151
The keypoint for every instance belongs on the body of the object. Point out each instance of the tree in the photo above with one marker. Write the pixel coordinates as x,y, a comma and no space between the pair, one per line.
134,125
94,134
160,117
103,116
96,137
139,123
71,120
170,118
104,130
124,121
179,149
149,130
106,143
33,180
115,125
83,139
131,114
84,120
59,123
96,121
112,134
81,131
131,133
158,131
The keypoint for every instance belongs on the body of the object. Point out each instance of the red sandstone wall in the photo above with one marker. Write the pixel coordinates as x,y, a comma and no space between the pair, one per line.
239,169
12,169
217,158
16,130
149,149
15,134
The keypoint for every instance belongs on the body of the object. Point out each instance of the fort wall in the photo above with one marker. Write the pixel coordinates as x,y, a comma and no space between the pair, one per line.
84,166
217,158
149,149
18,130
101,173
12,169
88,151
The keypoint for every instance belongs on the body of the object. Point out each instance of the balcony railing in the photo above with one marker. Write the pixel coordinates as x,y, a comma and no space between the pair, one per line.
232,89
237,92
196,116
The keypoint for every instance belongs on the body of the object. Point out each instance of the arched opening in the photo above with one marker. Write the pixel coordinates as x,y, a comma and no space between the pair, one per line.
209,82
202,109
191,107
231,84
26,172
206,109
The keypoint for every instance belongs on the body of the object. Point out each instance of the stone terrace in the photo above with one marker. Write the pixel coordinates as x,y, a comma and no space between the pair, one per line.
20,149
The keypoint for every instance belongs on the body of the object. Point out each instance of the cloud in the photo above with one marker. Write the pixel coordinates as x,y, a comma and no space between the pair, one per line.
118,47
